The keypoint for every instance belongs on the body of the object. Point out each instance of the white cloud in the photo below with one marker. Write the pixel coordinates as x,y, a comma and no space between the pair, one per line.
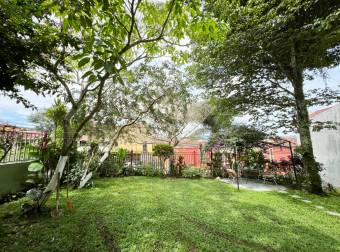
16,113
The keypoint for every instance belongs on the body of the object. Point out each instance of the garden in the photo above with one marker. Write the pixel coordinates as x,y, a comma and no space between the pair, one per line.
167,125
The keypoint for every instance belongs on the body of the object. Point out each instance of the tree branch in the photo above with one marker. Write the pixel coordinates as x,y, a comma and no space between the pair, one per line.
117,134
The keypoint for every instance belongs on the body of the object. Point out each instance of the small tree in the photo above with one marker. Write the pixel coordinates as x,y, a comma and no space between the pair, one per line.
163,151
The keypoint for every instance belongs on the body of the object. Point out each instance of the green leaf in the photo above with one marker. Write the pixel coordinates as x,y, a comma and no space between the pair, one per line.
120,80
35,167
88,73
97,63
83,62
108,67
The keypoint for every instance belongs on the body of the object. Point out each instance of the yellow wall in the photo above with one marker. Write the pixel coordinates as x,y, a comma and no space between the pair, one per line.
135,147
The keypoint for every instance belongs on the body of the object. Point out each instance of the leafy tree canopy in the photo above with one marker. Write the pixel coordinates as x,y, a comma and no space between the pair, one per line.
27,37
252,69
236,135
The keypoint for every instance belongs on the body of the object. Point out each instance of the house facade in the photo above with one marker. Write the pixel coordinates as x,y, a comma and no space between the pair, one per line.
280,149
326,144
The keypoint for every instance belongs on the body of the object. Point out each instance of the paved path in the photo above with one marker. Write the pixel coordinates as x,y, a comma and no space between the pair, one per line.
262,187
255,186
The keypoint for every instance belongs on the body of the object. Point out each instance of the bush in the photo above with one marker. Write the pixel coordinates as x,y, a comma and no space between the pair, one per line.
75,174
180,166
163,151
253,160
148,170
109,168
191,173
114,165
216,165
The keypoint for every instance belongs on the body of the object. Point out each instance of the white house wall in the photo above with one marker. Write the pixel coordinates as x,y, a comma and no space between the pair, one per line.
326,144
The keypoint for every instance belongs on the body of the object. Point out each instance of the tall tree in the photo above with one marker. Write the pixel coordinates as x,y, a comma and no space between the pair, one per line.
109,36
270,48
148,95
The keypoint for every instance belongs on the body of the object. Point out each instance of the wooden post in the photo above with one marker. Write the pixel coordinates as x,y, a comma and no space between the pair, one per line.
57,194
237,172
131,158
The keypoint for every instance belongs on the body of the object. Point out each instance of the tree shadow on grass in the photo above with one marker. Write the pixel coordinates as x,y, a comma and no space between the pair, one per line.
181,216
257,228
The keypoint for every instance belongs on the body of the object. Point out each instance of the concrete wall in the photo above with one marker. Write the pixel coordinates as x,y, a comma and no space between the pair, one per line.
12,177
326,144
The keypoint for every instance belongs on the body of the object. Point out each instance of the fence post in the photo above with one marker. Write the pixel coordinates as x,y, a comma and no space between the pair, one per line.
131,158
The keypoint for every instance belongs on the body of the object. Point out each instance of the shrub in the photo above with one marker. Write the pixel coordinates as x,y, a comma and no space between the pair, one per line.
148,170
180,166
109,168
253,160
163,151
216,165
75,174
191,173
114,165
121,156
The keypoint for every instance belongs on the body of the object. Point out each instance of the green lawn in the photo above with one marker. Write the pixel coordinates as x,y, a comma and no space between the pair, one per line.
154,214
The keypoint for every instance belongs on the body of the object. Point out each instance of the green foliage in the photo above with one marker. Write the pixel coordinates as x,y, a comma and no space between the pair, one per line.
75,175
109,169
241,136
216,165
35,167
40,121
253,159
163,151
26,41
121,156
57,112
191,172
149,171
114,165
270,48
258,51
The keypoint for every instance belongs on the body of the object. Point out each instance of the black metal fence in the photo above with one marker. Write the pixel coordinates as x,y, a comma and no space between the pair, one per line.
146,158
17,146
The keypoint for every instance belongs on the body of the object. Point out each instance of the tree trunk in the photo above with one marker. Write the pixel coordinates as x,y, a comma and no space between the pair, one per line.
303,126
67,138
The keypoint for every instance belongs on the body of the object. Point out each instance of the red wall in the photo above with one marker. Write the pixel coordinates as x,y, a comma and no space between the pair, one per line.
278,153
191,155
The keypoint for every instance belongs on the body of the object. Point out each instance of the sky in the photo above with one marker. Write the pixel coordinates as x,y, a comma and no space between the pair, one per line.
17,114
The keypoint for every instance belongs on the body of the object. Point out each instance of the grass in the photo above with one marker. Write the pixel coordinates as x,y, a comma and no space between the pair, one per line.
154,214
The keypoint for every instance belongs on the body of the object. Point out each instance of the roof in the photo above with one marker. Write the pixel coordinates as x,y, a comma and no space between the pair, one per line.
320,111
290,139
187,142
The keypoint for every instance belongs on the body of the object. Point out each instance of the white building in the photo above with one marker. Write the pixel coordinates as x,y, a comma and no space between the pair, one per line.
326,144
